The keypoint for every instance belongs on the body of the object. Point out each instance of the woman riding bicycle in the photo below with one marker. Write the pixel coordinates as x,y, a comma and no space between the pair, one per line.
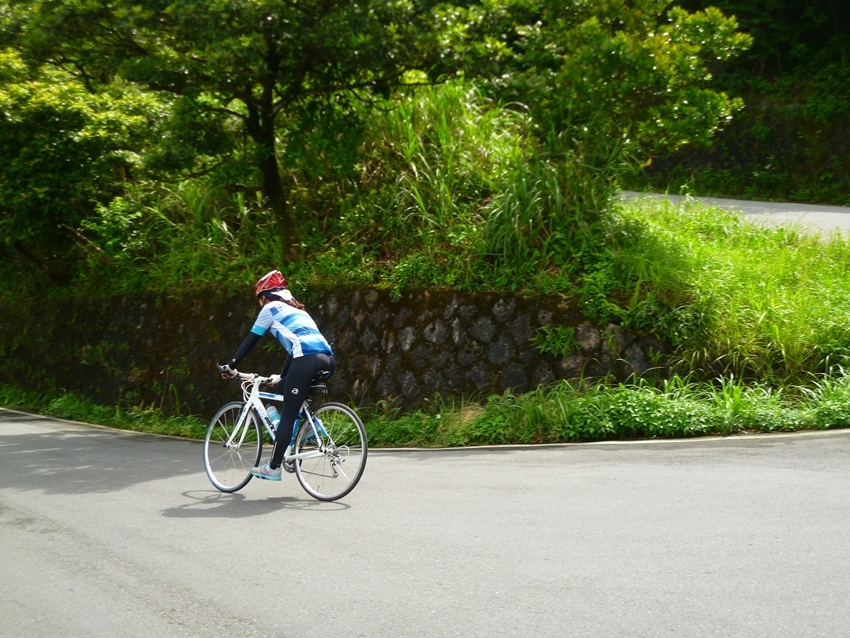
310,356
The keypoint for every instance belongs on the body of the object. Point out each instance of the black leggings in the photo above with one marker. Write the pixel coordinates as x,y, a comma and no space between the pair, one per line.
298,375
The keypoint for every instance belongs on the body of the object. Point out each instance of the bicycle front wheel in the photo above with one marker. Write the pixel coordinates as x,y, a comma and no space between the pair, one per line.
230,449
338,452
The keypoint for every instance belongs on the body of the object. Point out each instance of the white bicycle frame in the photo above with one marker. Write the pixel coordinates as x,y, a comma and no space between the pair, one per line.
253,401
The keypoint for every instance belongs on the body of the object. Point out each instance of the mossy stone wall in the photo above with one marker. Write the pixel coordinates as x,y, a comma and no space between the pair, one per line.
162,351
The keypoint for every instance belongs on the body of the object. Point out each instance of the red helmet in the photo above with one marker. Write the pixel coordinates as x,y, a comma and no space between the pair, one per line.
270,281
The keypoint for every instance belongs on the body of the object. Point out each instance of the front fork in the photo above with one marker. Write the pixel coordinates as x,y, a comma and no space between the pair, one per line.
241,429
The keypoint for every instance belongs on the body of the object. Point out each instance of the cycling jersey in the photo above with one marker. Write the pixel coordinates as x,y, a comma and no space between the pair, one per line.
294,329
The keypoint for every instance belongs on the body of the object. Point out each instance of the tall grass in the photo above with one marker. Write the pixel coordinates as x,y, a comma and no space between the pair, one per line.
159,237
431,166
68,405
547,218
739,298
455,190
576,411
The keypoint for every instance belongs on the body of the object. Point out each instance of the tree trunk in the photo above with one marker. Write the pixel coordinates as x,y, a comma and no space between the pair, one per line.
261,128
54,269
277,199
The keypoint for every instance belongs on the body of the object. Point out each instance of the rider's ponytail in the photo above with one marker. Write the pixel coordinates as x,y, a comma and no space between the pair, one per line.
286,297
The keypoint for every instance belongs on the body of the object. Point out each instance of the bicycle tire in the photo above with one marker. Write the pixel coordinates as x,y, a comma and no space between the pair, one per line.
337,471
229,468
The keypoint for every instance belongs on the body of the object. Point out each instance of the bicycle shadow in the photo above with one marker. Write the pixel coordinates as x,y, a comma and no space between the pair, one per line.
214,504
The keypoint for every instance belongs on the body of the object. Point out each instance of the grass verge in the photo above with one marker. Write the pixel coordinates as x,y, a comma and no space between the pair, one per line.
573,411
67,405
563,412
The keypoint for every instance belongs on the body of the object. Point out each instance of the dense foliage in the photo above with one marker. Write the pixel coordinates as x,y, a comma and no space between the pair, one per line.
792,141
265,68
270,98
475,144
63,149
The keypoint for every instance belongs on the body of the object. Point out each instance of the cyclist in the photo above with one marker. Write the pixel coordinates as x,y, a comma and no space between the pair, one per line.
310,356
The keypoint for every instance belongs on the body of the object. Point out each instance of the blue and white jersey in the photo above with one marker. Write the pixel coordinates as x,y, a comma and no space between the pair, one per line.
294,329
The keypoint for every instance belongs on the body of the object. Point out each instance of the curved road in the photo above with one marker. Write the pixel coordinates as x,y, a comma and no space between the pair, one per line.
107,533
811,218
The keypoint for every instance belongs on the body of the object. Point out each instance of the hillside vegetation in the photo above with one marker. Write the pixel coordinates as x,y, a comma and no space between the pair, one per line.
791,142
486,156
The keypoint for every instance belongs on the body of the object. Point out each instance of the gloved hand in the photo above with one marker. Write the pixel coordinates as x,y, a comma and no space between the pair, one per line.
274,379
226,371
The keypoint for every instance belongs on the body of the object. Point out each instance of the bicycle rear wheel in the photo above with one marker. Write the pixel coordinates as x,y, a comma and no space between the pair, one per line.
342,442
229,466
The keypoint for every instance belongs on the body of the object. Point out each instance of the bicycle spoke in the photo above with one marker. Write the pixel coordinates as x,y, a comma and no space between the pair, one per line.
339,430
229,467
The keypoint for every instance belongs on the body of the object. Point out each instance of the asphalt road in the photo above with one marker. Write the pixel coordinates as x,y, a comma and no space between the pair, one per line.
809,218
107,533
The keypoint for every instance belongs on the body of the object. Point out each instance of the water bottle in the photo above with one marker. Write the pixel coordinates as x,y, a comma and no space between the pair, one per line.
274,415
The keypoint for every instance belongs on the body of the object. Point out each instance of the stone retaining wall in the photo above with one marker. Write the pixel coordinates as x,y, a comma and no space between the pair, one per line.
450,343
162,351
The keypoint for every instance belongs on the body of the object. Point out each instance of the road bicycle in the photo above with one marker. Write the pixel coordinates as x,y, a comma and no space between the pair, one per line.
328,446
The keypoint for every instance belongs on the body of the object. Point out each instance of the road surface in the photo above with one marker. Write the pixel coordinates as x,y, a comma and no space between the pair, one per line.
808,217
107,533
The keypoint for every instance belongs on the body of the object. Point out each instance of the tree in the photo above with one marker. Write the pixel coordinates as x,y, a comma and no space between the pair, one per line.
62,150
788,33
607,83
633,74
257,62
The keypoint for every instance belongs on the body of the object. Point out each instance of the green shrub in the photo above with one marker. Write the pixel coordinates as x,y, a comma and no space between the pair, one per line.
830,399
558,341
576,411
